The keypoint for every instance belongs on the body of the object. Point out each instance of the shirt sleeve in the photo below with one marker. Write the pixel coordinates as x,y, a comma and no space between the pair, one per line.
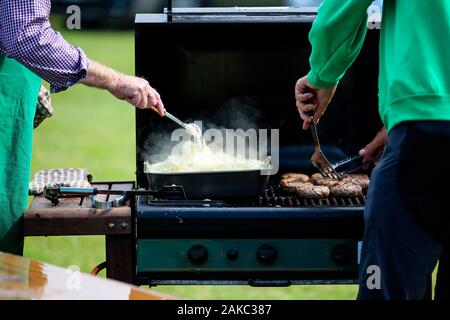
27,36
336,37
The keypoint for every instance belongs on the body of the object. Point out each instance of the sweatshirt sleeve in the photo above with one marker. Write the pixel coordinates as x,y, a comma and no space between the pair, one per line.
336,37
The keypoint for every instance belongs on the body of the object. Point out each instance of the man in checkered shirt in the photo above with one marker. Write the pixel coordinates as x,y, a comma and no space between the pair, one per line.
27,36
30,50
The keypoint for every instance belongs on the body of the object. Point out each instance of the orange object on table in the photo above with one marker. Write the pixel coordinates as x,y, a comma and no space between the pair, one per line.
24,279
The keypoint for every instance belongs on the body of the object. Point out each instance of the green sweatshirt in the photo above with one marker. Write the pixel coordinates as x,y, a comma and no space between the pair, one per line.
414,77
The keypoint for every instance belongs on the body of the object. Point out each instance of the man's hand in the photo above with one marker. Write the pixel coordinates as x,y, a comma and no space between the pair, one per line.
311,100
136,91
375,147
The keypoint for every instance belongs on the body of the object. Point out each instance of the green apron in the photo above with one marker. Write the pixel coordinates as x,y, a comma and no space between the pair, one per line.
19,89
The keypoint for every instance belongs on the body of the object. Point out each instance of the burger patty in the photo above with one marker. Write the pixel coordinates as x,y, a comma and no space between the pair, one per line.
316,175
305,189
346,189
318,186
359,179
291,186
295,177
325,181
312,191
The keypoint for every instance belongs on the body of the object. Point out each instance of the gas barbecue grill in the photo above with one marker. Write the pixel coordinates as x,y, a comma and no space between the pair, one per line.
207,63
271,240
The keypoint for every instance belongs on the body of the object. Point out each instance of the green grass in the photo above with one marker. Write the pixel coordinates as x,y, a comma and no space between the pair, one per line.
93,130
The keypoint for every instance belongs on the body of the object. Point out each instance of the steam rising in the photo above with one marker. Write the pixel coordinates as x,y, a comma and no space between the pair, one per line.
231,146
194,157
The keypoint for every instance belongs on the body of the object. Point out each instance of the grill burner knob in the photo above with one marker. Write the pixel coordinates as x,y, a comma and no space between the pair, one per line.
342,255
197,254
266,254
232,254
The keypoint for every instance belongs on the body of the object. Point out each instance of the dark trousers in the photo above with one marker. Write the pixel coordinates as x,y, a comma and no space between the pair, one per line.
407,215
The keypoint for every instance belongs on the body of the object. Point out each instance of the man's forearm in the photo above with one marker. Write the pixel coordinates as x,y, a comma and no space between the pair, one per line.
101,76
135,90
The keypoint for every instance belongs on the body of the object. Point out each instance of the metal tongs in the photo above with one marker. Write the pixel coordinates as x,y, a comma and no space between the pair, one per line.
328,169
319,160
55,193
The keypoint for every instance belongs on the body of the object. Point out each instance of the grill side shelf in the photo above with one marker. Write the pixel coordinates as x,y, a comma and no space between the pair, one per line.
76,216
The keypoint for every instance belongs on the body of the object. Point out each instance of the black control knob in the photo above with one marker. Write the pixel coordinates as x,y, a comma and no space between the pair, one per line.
266,254
342,254
232,254
197,254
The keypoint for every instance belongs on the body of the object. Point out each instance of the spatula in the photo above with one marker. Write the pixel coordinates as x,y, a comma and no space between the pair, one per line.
191,128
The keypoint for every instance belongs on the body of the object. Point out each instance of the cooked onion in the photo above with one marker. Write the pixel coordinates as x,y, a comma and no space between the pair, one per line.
194,130
198,157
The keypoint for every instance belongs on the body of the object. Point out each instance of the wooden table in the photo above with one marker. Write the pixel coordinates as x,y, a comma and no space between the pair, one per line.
76,216
22,278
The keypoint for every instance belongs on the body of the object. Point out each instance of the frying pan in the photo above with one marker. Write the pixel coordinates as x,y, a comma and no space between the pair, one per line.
213,184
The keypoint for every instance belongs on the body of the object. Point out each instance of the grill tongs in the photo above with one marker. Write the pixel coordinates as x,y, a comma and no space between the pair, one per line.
167,192
328,169
319,160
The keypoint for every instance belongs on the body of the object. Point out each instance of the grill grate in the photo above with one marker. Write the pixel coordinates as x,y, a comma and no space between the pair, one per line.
274,197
